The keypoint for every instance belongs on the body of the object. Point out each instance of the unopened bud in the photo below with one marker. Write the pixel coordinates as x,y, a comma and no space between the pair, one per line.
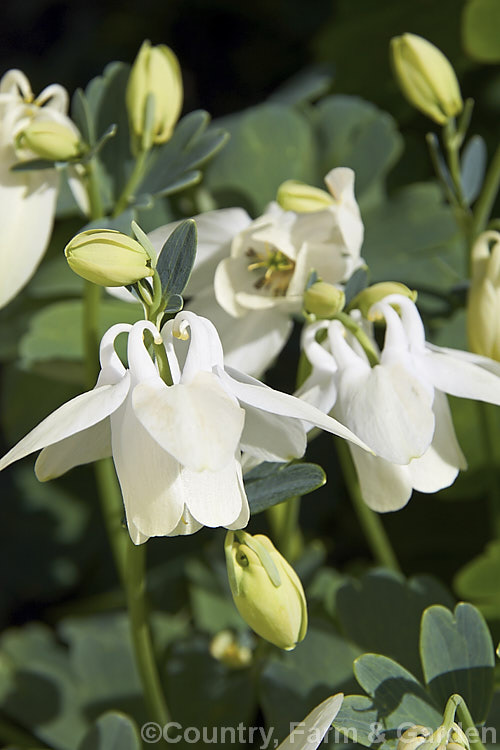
483,303
156,75
375,293
297,196
413,737
50,139
426,77
324,300
266,590
226,648
108,258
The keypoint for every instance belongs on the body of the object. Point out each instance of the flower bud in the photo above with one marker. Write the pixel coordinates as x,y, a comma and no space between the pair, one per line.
483,303
266,590
108,258
226,648
50,139
297,196
324,300
426,77
375,293
156,73
413,737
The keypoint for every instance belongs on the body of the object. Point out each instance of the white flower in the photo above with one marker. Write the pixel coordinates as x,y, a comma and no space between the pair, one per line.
176,448
397,407
250,276
309,734
28,198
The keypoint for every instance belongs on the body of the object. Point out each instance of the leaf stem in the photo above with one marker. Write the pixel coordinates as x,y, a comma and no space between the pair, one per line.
487,197
93,192
360,335
90,312
370,522
132,182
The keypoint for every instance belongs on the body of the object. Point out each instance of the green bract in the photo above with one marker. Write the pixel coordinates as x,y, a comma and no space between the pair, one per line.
108,258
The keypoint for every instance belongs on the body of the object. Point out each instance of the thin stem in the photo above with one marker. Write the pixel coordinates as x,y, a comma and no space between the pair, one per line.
370,522
487,197
91,298
284,522
360,335
135,579
12,734
468,724
489,441
132,182
94,194
112,511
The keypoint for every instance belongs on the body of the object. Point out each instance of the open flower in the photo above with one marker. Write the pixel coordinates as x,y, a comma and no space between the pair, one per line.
27,198
176,448
398,407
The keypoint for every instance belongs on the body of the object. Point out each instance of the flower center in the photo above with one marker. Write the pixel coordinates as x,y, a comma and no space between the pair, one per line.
278,270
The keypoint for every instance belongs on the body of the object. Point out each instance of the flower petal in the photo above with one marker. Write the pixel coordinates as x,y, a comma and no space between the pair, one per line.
187,525
197,422
460,377
76,415
310,732
269,437
216,498
83,448
384,486
152,490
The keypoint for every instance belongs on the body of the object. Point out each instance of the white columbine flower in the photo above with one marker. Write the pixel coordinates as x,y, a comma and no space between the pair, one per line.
250,276
27,199
176,448
398,407
309,734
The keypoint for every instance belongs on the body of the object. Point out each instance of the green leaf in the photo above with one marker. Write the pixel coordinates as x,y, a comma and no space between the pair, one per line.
269,144
478,580
354,133
112,731
211,601
457,657
272,483
33,165
82,116
175,164
480,23
176,259
366,610
357,720
306,86
398,696
473,168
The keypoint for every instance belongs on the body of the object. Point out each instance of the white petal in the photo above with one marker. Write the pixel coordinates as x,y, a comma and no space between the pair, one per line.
460,377
187,525
216,498
83,448
197,423
384,486
27,209
389,409
152,490
205,348
310,732
76,415
326,259
439,465
232,276
285,405
250,343
269,437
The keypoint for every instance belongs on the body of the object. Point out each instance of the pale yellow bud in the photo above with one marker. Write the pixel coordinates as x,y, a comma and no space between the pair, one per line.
324,300
266,590
302,198
50,139
426,77
375,293
226,648
413,737
108,258
483,303
155,72
458,738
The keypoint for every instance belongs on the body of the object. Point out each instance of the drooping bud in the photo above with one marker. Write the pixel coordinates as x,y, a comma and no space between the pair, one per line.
413,737
375,293
50,139
226,648
266,590
108,258
155,93
323,300
426,77
483,303
297,196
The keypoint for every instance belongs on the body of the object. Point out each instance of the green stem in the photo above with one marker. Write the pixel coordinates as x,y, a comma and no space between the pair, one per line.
94,194
488,438
112,511
135,579
91,298
486,200
12,734
370,521
360,335
284,522
467,722
132,182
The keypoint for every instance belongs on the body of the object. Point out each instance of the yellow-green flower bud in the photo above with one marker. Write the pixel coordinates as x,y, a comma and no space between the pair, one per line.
108,258
155,74
297,196
323,300
458,738
226,648
266,590
413,737
426,77
50,139
375,293
483,304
